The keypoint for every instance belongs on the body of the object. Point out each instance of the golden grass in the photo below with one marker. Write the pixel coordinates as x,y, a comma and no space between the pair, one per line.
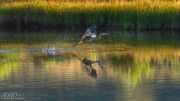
121,15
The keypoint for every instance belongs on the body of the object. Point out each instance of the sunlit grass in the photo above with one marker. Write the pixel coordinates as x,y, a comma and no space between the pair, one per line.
8,63
122,15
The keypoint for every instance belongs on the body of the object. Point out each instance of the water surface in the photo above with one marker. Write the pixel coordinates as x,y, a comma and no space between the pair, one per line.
133,67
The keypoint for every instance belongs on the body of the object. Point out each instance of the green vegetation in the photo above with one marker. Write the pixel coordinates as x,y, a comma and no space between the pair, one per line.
127,15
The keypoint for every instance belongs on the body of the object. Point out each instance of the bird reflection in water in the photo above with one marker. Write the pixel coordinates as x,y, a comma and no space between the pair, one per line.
88,65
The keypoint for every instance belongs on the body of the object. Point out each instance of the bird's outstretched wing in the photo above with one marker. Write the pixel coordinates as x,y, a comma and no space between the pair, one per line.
103,34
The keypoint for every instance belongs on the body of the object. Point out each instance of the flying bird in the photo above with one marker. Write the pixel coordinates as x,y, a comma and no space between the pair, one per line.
90,35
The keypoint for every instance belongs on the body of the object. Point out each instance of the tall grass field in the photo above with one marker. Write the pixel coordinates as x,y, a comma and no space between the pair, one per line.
123,15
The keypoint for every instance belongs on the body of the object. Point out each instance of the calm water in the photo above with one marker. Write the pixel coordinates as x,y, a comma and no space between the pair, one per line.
128,67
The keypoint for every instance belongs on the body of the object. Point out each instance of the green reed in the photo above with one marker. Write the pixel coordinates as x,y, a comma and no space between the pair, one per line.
123,15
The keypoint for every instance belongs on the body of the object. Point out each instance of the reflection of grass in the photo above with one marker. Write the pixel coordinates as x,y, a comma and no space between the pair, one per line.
136,65
8,64
130,69
125,15
123,62
5,70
